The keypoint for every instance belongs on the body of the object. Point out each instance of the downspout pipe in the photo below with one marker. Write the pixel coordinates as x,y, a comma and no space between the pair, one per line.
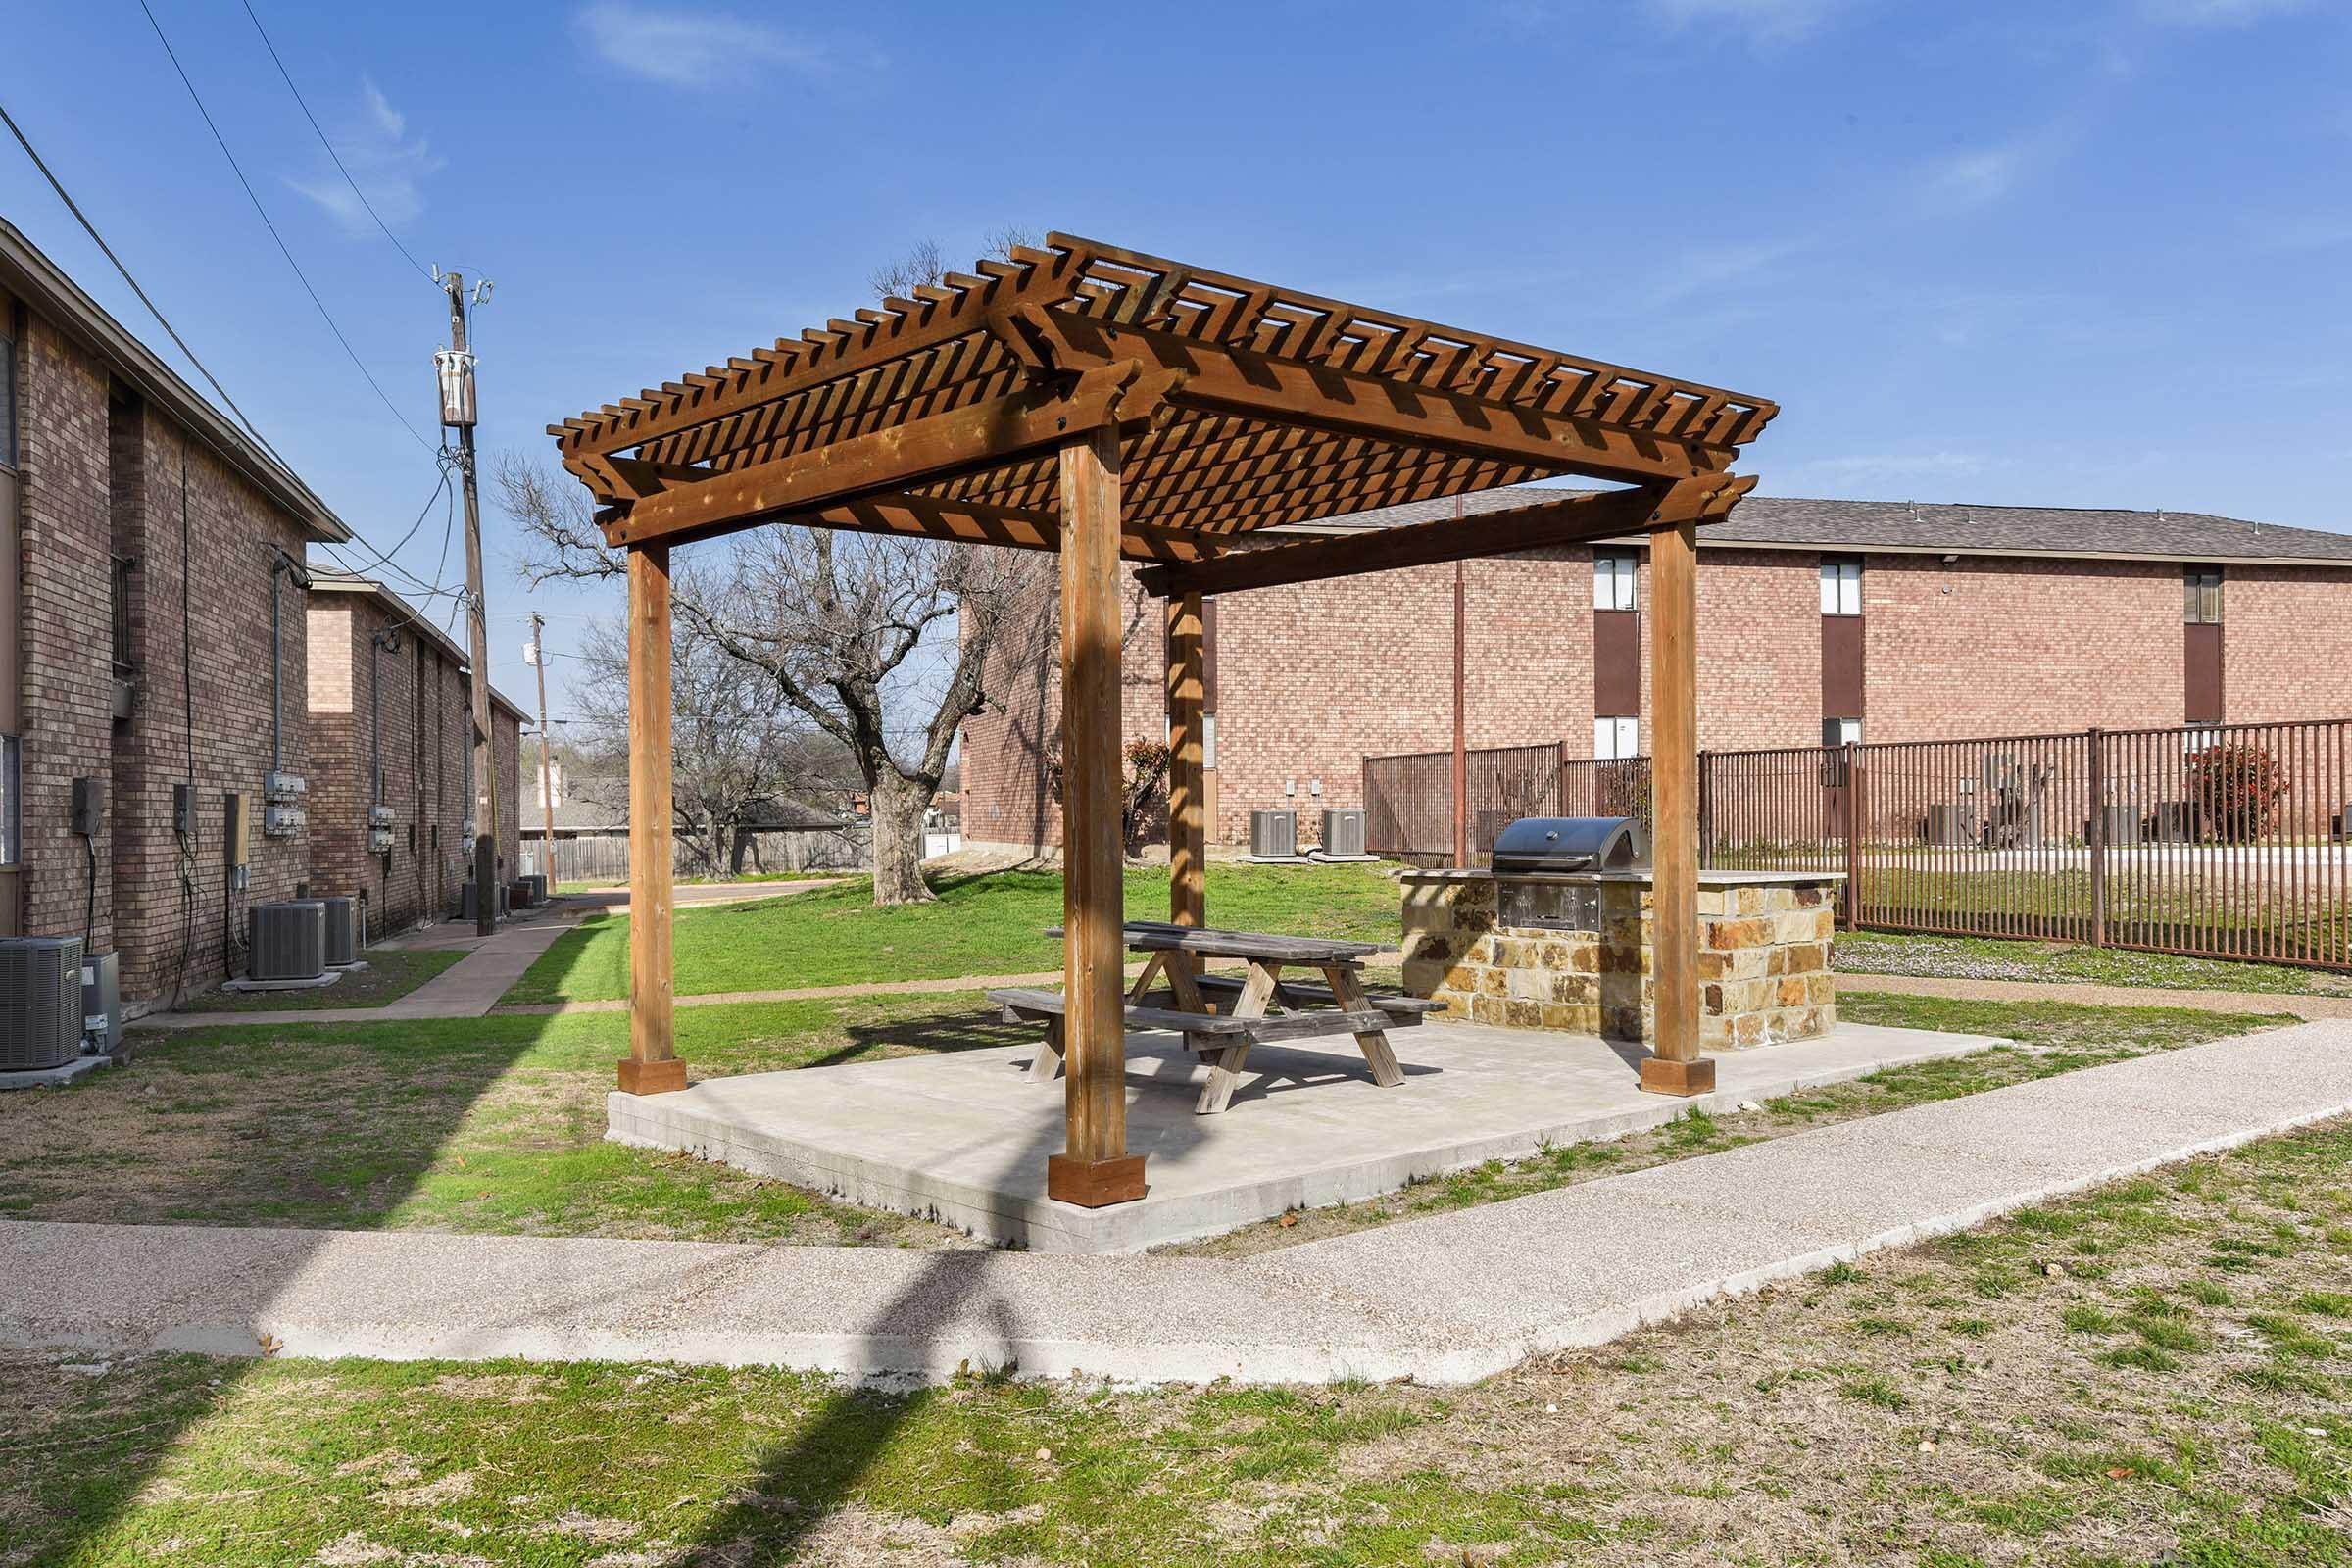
283,566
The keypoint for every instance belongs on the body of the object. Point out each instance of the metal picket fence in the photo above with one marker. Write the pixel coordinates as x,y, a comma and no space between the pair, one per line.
2226,841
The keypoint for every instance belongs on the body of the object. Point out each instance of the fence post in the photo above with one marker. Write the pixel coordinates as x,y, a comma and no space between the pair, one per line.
2094,837
1706,808
1853,834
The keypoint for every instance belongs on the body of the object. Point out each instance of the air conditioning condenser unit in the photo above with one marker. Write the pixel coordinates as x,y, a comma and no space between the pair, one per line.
288,941
1343,833
343,933
40,1001
1273,835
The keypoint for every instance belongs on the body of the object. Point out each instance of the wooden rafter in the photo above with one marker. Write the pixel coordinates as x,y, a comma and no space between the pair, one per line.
887,461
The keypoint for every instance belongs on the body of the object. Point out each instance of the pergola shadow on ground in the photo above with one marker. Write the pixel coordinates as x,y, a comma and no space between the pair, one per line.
1111,405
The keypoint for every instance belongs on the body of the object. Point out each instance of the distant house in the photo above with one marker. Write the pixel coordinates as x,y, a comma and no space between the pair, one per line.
590,834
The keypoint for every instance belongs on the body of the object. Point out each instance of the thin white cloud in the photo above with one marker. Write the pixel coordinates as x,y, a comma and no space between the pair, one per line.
373,141
1768,21
2219,12
1979,177
687,48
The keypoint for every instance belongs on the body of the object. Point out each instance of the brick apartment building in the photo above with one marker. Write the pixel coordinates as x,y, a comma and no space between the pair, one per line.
153,640
1836,619
390,728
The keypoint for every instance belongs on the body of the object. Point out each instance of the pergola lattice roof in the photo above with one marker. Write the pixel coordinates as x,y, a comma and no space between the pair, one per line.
1244,404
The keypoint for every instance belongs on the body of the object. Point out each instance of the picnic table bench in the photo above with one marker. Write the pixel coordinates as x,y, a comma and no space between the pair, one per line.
1223,1037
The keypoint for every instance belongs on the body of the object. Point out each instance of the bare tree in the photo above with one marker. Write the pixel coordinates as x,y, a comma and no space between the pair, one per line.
741,756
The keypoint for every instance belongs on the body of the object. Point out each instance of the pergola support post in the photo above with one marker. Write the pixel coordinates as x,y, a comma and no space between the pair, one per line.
652,1066
1096,1169
1188,776
1674,1065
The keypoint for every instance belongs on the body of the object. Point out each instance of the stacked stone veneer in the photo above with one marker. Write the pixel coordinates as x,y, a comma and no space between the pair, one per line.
1763,962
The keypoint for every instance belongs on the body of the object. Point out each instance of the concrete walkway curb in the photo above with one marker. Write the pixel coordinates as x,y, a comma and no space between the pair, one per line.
1445,1300
2297,1005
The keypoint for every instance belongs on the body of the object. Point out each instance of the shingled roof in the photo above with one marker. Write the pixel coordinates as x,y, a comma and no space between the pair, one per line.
1946,527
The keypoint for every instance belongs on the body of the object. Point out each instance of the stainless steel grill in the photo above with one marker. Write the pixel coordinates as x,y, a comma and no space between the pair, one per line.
1572,844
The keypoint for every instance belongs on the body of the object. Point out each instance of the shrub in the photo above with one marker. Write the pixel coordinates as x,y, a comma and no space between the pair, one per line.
2235,789
1138,791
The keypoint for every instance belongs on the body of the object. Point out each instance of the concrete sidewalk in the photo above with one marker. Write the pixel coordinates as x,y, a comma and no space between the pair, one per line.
468,989
1445,1298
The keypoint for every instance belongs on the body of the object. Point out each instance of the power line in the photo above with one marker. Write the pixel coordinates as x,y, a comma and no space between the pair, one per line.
421,268
160,320
304,278
427,590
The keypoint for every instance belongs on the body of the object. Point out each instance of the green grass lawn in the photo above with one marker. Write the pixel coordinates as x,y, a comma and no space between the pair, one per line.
2156,1372
1992,959
466,1124
391,973
978,925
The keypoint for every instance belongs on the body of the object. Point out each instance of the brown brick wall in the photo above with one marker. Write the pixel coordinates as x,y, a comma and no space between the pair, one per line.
415,696
1313,679
93,487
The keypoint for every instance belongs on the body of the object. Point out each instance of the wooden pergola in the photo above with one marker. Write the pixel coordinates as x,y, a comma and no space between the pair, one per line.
1113,405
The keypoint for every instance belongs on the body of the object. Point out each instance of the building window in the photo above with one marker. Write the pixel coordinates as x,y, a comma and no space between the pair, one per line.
1841,586
1840,732
12,838
1613,738
1613,579
2201,595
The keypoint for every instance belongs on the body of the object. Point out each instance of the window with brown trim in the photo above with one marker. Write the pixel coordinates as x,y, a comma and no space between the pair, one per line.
2201,595
1841,586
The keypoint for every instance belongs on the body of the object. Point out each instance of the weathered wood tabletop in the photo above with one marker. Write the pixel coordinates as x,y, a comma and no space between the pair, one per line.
1175,954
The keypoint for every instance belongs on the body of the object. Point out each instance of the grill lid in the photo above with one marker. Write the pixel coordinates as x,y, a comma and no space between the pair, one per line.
1572,844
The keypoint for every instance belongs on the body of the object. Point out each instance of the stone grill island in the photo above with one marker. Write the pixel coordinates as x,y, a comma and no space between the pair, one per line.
1572,952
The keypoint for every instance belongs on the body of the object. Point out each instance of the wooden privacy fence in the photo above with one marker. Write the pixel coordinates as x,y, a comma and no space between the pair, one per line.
2222,841
603,858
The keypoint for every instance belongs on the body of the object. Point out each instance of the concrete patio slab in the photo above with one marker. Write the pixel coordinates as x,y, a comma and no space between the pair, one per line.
964,1138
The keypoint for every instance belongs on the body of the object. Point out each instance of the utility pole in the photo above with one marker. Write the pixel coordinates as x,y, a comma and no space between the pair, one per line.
547,767
456,365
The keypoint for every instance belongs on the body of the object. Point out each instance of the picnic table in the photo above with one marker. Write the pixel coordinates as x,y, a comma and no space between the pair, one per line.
1221,1018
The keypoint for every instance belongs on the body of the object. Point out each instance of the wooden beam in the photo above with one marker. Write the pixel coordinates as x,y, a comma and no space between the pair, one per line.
1187,777
652,1066
905,327
893,459
1570,519
1265,387
1096,1168
977,522
1674,1065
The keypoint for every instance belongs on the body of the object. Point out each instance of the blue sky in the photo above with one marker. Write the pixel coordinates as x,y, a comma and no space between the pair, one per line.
2089,253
